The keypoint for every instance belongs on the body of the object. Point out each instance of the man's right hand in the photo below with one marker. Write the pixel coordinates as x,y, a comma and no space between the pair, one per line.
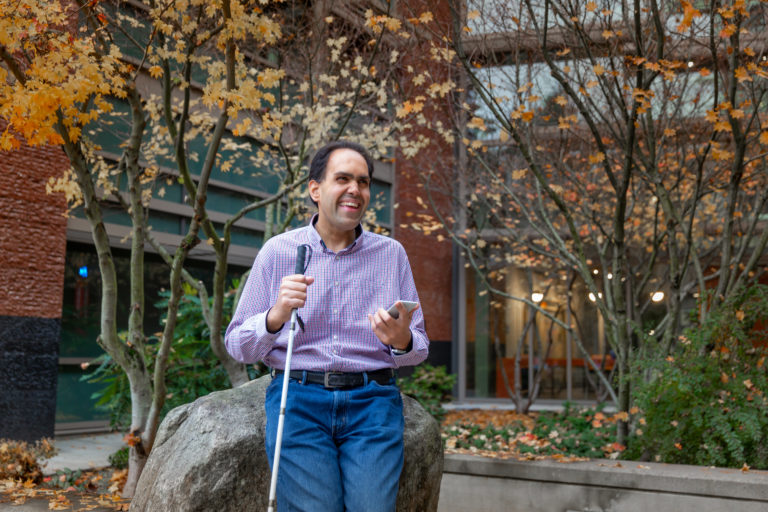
292,294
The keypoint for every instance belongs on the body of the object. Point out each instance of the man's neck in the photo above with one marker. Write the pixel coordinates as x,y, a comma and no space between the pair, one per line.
335,240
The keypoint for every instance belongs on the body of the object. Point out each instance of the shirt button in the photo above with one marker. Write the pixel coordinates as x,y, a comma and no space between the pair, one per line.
335,311
335,337
335,283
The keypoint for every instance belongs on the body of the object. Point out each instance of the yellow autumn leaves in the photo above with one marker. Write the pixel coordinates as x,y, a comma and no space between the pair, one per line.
49,74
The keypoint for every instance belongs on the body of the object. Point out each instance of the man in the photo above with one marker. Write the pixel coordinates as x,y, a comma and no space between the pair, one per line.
342,446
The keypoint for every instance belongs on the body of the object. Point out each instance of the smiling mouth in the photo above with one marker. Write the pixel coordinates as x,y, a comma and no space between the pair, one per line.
349,204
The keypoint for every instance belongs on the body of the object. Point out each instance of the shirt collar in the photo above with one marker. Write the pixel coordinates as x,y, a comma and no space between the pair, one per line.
317,240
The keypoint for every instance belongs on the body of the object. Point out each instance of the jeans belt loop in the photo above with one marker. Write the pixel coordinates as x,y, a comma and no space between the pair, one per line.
365,378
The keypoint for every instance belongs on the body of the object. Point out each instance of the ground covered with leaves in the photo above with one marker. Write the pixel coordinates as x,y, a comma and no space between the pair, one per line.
22,481
571,435
96,490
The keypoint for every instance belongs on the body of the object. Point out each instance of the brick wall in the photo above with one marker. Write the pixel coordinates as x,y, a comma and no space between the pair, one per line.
33,233
430,258
32,253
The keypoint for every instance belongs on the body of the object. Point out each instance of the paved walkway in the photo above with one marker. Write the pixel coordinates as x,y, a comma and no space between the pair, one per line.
83,452
75,452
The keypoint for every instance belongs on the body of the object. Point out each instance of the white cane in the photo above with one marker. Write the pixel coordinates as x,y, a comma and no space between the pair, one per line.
300,256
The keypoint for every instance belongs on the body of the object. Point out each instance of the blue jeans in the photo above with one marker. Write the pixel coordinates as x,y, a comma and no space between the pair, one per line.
342,449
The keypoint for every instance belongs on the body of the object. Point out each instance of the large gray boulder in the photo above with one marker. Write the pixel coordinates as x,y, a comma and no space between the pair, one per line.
209,456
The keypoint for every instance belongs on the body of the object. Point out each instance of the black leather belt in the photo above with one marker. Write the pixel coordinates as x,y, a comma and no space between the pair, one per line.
341,379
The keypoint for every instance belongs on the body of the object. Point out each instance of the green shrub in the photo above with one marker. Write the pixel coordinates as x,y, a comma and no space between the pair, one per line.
193,368
119,459
705,404
431,386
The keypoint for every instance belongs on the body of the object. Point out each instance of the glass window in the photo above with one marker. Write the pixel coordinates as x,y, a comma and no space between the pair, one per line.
73,397
509,343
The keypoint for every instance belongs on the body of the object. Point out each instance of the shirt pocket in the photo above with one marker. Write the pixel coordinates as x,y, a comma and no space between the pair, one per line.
370,294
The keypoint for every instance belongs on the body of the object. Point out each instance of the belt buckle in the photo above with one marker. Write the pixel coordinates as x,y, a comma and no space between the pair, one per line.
327,379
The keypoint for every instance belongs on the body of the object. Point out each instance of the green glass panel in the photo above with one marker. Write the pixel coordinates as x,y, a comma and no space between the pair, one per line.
73,397
226,201
111,130
245,171
129,34
164,223
172,190
381,201
247,237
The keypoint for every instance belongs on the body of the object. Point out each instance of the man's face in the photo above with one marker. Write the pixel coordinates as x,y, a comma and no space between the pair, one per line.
344,193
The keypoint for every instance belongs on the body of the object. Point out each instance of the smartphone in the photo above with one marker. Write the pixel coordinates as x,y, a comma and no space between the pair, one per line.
409,306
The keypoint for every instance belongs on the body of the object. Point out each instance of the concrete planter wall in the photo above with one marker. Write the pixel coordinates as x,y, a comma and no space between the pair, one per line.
479,484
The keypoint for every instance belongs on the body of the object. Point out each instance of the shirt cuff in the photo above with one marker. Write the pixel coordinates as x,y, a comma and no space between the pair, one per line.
399,352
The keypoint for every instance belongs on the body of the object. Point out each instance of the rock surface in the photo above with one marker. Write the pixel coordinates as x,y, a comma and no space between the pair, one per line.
209,456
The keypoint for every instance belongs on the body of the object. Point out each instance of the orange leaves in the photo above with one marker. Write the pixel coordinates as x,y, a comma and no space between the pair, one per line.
519,173
521,113
63,74
424,18
742,75
564,122
409,107
728,30
689,13
131,439
722,126
477,123
597,158
721,154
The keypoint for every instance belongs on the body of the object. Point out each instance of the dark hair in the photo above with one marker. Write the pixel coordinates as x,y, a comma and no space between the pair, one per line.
320,160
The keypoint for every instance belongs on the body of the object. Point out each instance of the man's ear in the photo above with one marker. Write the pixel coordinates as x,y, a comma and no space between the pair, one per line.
314,190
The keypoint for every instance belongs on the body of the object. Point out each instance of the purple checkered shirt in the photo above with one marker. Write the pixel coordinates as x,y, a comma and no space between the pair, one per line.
371,273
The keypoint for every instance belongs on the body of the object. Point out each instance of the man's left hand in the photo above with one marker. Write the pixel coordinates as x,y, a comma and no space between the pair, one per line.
395,332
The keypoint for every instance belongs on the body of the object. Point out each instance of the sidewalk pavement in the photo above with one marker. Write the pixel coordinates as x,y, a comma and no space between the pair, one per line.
83,452
75,452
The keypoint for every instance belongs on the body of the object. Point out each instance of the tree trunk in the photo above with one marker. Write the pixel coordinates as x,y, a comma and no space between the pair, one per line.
136,462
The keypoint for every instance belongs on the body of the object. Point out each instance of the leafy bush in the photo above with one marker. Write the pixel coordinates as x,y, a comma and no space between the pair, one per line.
193,368
119,459
706,404
21,460
431,386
